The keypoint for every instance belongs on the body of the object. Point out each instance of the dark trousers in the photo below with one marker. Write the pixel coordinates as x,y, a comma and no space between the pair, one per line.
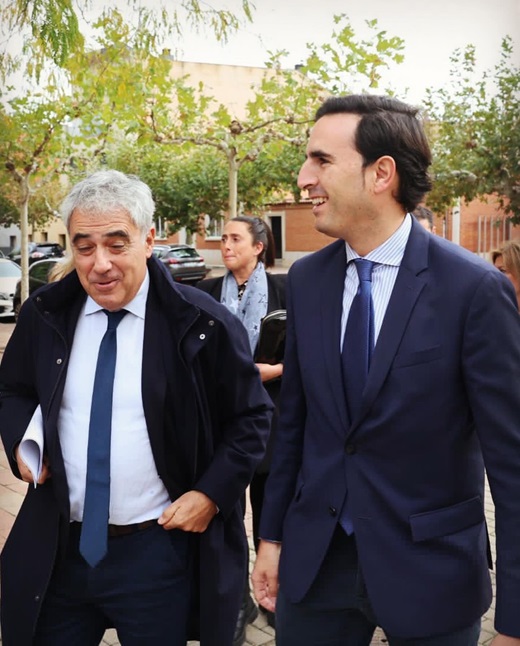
337,612
256,496
141,588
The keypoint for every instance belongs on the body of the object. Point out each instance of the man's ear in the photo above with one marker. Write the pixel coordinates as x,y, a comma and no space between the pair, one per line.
149,240
385,174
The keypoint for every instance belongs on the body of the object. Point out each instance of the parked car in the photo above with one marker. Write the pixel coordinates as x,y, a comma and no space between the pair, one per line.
184,263
38,276
38,251
10,274
160,249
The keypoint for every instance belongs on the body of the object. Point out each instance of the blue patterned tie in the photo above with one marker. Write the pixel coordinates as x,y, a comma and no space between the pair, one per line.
94,530
358,343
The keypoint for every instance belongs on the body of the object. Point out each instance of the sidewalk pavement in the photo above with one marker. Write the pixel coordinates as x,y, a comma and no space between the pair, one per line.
259,633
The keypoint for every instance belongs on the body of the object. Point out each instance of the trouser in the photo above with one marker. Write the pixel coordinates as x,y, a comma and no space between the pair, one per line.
141,588
337,611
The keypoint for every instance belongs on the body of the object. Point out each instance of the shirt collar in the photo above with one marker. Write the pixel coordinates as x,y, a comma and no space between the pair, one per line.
391,252
136,306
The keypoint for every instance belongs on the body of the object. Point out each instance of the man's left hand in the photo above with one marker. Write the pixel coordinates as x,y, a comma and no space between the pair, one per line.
192,512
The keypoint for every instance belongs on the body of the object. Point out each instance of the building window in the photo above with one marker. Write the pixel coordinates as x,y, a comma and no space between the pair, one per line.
214,227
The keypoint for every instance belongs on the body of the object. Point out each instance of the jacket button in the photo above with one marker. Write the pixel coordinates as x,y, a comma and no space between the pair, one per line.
202,337
211,323
37,597
59,361
350,449
333,511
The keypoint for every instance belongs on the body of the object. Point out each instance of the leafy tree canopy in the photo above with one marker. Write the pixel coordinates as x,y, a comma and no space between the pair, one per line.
55,29
475,129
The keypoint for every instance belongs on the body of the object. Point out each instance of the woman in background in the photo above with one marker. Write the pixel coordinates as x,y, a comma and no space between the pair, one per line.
250,292
508,262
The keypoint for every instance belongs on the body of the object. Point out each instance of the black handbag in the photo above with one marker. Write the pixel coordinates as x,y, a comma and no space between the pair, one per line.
271,341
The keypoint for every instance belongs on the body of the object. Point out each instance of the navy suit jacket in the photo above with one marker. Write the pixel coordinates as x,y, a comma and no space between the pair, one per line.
444,383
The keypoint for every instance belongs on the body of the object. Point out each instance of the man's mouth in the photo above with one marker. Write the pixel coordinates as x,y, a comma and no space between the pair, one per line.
317,201
104,284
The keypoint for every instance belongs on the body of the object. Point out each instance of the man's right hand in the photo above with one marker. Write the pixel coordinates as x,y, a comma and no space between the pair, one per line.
265,574
25,472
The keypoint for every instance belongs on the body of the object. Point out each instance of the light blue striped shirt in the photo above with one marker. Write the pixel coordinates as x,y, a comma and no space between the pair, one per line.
387,257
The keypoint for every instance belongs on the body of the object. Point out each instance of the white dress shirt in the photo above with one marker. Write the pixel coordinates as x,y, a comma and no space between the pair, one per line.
387,257
136,491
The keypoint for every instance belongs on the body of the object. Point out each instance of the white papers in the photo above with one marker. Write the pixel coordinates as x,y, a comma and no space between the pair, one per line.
31,446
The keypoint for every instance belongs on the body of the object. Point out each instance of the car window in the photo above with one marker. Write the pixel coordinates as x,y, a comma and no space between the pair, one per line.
159,251
183,252
48,247
41,271
10,270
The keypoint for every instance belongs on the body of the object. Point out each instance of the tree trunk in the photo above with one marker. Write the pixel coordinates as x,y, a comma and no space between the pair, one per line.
24,242
233,183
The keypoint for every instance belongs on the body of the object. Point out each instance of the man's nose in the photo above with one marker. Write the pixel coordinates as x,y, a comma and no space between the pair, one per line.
102,262
306,179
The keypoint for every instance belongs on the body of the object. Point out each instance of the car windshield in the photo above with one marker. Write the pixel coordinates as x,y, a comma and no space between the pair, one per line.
9,270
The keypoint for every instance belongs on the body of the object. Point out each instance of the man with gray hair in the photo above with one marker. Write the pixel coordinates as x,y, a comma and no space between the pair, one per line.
152,419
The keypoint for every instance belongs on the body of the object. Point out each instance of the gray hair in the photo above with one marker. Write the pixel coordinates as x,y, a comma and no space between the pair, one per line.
110,190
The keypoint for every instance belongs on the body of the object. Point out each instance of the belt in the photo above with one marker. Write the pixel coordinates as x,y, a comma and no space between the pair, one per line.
124,530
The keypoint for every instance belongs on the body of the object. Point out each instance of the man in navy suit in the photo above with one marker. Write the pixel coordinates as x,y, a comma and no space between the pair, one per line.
374,509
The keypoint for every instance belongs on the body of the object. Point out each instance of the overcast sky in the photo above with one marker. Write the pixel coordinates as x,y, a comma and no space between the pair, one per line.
432,30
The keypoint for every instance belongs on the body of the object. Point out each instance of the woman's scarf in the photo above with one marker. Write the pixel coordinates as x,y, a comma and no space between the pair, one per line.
252,308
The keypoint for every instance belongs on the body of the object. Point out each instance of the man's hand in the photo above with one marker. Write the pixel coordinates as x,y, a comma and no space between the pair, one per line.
25,471
505,640
265,574
192,512
268,371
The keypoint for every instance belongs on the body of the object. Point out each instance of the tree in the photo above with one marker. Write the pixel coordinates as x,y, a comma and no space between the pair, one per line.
54,39
283,106
475,129
191,181
63,128
55,29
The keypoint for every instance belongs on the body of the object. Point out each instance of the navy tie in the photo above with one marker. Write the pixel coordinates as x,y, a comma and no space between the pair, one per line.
358,341
94,530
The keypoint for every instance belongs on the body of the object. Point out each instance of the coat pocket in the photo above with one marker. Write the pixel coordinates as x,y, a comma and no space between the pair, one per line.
448,520
421,356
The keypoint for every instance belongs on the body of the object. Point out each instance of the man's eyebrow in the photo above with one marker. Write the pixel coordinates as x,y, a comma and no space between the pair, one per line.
109,234
319,154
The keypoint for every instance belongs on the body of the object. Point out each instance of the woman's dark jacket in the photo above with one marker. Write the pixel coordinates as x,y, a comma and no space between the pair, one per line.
275,301
207,416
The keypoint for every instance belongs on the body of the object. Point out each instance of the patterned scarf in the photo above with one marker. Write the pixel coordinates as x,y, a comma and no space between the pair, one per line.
252,307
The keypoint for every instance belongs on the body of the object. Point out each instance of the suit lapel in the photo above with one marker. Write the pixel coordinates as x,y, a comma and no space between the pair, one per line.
410,281
331,303
154,388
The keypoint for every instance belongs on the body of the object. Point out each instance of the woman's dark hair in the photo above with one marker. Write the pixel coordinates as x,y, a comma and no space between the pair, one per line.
261,232
389,127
